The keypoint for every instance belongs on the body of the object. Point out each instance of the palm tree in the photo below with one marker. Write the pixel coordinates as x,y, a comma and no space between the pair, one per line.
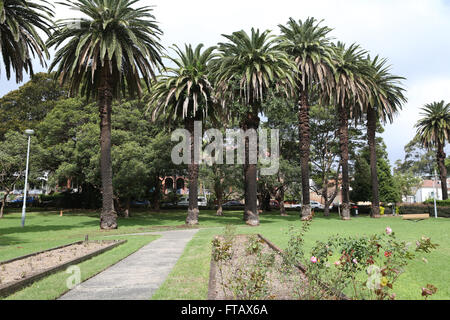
433,131
350,96
19,39
105,54
386,100
247,67
308,45
186,93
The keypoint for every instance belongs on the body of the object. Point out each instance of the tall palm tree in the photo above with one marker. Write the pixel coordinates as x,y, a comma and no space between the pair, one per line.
433,131
248,65
19,39
186,93
307,43
386,99
350,96
105,54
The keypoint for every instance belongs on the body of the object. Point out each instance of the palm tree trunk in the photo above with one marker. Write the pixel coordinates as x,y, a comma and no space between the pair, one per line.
108,218
343,142
442,170
305,141
251,216
192,217
371,132
219,196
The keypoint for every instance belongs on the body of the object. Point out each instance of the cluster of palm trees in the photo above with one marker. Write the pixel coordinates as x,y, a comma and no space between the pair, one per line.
115,49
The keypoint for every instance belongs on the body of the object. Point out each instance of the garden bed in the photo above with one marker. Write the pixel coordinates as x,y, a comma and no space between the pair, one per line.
22,271
228,279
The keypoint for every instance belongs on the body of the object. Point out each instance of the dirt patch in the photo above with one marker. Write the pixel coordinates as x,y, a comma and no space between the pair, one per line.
253,270
17,270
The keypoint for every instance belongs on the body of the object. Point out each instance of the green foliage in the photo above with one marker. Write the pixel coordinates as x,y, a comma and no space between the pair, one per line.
365,266
20,42
389,189
441,203
25,107
116,39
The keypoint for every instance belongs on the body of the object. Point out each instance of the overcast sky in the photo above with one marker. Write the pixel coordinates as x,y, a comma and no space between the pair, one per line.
413,34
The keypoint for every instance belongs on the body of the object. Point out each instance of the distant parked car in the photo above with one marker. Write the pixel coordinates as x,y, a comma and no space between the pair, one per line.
317,205
140,203
232,203
201,201
19,201
296,206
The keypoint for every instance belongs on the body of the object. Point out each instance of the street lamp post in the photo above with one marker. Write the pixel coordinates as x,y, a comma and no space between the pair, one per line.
29,133
435,193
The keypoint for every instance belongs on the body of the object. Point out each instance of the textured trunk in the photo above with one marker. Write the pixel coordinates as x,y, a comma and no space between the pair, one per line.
371,131
219,196
280,199
343,142
156,203
305,140
127,209
251,216
108,218
3,204
442,170
192,217
326,209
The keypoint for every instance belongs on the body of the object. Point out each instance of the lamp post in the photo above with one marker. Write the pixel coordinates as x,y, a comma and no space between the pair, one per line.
29,133
435,193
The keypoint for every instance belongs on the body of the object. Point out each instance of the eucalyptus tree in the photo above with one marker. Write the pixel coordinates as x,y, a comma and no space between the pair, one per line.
309,46
20,42
105,54
247,67
350,94
433,130
386,99
185,93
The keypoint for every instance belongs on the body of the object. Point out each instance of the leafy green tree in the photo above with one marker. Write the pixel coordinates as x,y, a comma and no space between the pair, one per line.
105,54
20,42
23,108
433,131
418,160
247,67
389,189
185,93
407,182
308,45
13,152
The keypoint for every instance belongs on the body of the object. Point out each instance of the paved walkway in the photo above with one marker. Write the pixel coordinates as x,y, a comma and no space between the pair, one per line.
139,275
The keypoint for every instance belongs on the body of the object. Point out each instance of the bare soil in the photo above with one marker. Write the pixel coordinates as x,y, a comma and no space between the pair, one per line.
23,268
280,282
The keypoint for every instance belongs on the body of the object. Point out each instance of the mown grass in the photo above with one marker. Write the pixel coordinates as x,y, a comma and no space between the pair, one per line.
189,278
181,285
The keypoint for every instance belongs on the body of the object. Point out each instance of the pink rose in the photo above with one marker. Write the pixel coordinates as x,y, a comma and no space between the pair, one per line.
337,263
388,230
355,261
313,259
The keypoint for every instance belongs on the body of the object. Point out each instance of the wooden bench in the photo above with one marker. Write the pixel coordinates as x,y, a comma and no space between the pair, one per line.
416,217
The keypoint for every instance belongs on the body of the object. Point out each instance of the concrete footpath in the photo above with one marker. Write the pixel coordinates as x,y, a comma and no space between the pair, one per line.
139,275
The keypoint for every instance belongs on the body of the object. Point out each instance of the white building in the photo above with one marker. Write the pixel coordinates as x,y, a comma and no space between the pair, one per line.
426,191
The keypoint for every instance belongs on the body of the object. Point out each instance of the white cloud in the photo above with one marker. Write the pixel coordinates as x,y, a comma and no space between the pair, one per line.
412,34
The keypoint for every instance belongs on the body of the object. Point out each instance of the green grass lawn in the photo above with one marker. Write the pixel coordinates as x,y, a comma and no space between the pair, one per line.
189,278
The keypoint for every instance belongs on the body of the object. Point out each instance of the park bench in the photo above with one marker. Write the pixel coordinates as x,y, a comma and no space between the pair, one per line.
416,217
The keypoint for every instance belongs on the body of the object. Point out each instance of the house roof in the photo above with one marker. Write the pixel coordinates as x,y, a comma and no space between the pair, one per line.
429,183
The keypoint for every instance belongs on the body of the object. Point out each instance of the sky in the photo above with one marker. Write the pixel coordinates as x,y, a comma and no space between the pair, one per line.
414,35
